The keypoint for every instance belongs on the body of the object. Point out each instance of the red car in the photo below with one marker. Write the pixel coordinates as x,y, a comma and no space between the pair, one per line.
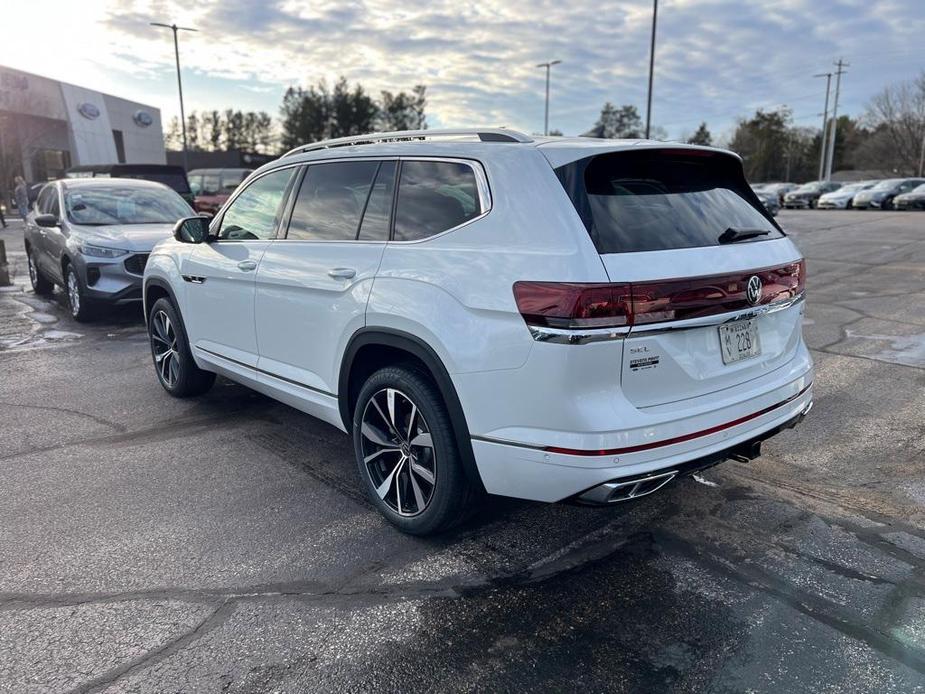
212,187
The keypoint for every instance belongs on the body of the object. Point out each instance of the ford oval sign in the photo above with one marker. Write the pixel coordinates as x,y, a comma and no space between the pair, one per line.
142,119
88,110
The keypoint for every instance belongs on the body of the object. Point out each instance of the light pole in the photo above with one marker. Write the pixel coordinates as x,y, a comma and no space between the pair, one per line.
825,123
548,66
651,67
176,52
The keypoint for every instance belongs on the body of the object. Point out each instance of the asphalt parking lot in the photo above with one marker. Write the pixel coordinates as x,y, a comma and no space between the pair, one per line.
220,544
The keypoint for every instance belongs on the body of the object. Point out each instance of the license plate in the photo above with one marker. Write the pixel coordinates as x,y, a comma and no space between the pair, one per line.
739,340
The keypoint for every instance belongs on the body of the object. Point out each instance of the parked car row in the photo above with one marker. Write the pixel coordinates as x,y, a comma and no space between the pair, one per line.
886,194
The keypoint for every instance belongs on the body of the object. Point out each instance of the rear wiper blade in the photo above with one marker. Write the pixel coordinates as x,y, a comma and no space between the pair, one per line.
731,235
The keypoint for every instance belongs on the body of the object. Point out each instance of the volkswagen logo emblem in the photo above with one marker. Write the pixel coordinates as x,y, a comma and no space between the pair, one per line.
753,290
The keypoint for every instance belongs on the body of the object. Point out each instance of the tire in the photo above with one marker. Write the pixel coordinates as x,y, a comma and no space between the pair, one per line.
170,352
406,454
887,204
40,285
80,306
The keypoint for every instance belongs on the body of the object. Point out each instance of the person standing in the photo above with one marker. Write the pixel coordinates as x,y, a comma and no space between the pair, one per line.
21,195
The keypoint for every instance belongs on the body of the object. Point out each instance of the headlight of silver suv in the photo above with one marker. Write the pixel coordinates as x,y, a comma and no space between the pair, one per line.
99,251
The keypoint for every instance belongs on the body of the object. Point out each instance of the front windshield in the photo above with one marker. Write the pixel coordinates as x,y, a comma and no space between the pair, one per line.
808,188
852,187
888,184
101,205
919,189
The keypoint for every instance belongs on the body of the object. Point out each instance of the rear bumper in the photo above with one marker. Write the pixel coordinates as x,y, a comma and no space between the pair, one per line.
633,487
510,469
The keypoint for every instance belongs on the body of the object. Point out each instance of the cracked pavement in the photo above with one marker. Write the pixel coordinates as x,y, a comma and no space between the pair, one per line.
220,544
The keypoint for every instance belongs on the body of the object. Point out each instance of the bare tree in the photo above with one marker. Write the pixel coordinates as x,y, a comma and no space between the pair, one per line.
897,115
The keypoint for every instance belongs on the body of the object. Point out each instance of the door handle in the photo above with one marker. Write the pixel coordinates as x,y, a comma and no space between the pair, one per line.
342,273
247,265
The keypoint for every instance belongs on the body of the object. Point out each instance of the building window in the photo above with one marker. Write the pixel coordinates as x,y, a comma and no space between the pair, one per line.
120,145
49,164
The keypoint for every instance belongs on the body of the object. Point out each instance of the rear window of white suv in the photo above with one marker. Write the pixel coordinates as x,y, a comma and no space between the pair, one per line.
662,199
433,197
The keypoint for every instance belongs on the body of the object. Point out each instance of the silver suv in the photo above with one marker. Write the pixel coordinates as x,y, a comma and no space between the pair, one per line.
92,236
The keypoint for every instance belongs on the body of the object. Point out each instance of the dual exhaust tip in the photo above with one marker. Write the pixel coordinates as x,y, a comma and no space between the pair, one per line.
624,490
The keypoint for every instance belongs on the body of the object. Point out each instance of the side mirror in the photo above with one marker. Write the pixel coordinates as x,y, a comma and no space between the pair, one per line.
46,220
192,230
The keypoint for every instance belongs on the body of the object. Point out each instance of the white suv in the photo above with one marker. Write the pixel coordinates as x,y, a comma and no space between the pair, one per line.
542,318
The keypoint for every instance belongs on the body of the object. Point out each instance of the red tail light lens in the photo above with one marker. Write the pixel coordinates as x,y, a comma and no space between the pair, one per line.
572,304
578,305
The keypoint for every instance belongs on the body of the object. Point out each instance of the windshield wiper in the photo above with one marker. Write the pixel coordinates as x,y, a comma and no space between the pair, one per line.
731,235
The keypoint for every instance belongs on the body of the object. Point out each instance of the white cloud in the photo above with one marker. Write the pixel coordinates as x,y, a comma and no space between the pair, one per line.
716,59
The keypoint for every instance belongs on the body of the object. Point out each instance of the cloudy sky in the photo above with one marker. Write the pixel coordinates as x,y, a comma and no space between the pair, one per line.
716,60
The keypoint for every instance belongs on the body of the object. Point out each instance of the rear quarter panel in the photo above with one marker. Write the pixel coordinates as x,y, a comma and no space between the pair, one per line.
455,291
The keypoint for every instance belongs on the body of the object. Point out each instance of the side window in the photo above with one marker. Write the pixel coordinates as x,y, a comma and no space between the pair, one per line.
331,201
375,226
231,181
255,213
195,184
54,206
41,203
434,196
210,184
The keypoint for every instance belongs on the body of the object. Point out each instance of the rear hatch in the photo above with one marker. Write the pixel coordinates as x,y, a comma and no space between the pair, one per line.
711,283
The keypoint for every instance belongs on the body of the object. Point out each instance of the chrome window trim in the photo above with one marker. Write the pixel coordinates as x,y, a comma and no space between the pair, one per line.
718,319
583,336
481,178
481,181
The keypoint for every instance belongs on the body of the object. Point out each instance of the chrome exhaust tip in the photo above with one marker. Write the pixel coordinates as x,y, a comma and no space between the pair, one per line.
624,490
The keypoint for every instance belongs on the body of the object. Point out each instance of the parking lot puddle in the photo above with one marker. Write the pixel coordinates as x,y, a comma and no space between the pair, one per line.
25,325
903,349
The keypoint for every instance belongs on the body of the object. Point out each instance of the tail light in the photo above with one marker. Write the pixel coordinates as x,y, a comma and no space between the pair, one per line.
573,304
580,305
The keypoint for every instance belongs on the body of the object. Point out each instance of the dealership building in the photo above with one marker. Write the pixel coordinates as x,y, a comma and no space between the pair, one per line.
48,126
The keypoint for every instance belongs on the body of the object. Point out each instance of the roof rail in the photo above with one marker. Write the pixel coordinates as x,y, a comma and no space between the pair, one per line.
479,135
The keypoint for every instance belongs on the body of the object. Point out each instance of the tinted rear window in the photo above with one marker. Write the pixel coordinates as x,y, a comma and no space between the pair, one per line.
434,196
661,199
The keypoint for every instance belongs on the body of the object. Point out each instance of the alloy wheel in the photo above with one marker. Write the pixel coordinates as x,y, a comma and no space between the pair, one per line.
164,346
398,452
73,292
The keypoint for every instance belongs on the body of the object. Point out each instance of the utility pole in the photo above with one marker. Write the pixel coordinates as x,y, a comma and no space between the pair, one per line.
176,52
825,123
838,73
546,117
651,67
922,154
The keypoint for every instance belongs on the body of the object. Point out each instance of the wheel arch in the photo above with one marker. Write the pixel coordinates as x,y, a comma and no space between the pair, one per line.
154,289
371,348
